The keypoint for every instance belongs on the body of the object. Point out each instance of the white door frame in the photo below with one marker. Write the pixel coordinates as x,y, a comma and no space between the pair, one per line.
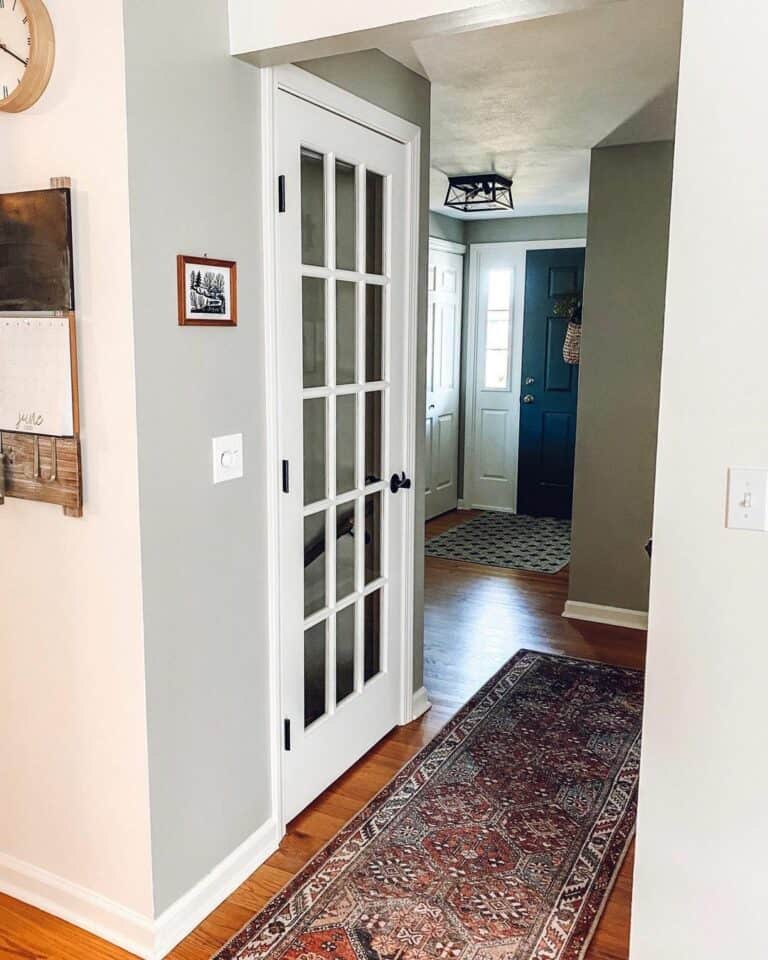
316,91
517,251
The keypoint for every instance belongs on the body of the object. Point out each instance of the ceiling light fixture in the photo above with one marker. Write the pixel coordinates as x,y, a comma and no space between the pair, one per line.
479,192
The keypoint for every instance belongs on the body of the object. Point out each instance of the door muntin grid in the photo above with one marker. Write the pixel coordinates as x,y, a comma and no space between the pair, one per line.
346,409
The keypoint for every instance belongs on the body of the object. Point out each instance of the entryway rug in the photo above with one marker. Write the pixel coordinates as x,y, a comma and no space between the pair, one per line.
540,544
498,841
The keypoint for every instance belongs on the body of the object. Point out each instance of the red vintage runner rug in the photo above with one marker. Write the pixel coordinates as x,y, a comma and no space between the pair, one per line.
498,841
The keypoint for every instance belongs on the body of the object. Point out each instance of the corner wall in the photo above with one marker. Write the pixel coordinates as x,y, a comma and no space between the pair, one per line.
193,128
624,287
702,837
74,801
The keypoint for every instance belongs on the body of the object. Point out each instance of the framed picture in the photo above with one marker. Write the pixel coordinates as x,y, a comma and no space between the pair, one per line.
207,292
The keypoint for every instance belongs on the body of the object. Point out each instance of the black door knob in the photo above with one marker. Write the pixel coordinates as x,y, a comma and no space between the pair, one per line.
399,483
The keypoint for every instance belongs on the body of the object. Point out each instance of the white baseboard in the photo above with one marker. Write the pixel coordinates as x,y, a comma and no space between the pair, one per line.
78,905
463,505
420,703
615,616
148,939
193,907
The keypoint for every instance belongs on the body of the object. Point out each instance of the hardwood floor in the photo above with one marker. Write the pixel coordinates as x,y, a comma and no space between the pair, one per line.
476,618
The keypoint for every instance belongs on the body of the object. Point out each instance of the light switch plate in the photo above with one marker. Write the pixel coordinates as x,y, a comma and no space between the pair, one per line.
227,457
747,499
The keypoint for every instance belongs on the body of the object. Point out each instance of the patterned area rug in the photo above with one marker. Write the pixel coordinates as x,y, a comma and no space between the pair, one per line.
541,544
498,841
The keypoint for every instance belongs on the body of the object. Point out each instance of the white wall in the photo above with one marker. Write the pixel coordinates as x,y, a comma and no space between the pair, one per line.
294,30
74,799
701,885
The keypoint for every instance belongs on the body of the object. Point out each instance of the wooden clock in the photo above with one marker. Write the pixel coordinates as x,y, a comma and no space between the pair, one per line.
27,49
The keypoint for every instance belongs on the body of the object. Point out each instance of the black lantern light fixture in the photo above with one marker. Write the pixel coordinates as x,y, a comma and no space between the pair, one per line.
479,193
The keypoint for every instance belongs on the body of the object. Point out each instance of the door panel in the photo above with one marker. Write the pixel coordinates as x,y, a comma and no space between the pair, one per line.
550,386
342,426
443,364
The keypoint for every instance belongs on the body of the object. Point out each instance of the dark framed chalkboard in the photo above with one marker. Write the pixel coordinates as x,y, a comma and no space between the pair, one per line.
36,262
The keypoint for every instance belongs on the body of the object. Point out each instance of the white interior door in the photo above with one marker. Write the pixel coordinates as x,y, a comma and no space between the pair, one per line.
443,380
343,425
490,469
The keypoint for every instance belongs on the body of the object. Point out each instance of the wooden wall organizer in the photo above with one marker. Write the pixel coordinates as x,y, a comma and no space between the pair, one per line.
45,469
38,466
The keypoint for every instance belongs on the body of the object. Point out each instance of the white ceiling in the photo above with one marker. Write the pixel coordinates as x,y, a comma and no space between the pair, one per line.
531,99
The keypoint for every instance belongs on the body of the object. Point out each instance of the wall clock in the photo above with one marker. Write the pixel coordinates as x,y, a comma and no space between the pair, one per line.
27,49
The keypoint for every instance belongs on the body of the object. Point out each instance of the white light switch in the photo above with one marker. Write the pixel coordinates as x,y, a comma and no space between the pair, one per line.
227,457
747,499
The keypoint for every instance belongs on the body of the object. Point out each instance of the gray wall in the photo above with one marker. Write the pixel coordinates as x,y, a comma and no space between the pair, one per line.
624,292
446,228
202,546
509,229
377,78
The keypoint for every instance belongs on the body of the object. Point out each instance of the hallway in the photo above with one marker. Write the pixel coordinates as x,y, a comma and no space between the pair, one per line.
476,618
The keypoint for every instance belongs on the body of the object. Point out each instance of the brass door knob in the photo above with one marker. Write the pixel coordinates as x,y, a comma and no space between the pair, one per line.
528,398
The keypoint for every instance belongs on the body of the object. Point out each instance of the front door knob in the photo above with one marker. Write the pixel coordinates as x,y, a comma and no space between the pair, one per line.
528,398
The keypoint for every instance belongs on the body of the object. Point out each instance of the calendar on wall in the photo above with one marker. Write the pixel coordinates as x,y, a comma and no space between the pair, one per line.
37,381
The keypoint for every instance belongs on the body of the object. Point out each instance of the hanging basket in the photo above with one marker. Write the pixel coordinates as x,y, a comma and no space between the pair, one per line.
572,344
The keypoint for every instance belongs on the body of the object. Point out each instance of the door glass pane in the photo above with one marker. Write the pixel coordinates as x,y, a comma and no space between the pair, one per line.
374,223
497,336
496,367
345,550
345,653
374,335
345,216
314,673
346,332
372,636
312,209
313,330
346,446
314,450
314,563
499,289
373,433
372,537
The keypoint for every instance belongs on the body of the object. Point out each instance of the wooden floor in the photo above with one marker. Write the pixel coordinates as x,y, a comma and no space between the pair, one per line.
476,618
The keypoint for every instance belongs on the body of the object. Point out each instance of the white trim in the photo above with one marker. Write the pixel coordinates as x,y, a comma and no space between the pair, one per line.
462,504
475,252
615,616
421,702
306,86
193,907
75,904
447,246
272,467
140,935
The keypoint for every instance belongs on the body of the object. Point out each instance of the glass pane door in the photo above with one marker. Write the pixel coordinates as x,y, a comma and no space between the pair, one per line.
343,428
345,399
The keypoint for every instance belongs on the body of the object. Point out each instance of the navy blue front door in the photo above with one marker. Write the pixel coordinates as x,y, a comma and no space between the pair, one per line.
549,385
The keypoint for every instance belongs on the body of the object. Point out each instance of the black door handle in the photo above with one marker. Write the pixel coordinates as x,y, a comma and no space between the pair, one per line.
399,483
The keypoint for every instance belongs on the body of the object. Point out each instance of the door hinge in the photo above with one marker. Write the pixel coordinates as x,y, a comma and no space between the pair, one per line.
287,733
286,485
281,194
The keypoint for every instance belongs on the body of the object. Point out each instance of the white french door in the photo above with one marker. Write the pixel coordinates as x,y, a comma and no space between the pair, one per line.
343,308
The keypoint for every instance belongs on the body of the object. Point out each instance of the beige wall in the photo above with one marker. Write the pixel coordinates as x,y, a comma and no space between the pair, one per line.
74,799
624,287
702,840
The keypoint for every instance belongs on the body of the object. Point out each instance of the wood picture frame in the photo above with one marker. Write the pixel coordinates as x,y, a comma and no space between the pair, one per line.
207,291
